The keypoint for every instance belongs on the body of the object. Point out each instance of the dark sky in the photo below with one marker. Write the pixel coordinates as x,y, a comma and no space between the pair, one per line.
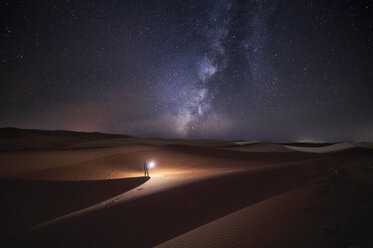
258,70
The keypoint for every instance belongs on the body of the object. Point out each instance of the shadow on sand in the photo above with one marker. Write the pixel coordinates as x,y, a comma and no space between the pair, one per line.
148,221
25,203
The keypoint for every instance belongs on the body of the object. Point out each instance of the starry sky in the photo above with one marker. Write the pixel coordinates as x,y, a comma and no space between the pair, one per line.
224,69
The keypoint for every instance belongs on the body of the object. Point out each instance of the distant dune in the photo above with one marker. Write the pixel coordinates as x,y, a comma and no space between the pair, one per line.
69,189
15,138
330,148
259,147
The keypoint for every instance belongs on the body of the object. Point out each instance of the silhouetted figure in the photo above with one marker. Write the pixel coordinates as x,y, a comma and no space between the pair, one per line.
146,168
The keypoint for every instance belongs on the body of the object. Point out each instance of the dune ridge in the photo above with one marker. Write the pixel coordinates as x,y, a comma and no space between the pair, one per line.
201,193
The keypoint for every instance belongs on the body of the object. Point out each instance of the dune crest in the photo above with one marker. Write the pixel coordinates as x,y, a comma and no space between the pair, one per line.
201,193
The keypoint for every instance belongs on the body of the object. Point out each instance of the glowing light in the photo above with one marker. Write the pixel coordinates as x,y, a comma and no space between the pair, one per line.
151,164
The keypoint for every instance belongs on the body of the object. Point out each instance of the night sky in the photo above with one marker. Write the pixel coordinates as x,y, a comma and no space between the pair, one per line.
257,70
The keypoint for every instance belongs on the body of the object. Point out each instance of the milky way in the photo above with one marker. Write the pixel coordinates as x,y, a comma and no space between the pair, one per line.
260,70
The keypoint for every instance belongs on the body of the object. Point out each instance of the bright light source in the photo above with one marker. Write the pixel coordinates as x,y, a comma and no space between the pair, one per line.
151,164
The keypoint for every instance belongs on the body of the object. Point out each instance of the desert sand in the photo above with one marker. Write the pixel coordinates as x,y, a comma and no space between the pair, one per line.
68,189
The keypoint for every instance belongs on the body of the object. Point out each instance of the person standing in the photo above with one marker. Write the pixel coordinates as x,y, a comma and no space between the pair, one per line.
146,168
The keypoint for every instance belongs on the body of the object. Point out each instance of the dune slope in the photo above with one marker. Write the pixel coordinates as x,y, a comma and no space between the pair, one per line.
89,191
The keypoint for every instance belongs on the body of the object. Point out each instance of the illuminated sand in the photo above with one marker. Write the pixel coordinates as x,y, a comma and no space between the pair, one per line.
200,194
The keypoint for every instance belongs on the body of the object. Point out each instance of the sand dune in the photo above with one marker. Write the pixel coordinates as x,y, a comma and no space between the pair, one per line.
328,211
200,202
246,142
324,149
200,194
269,223
111,163
13,163
259,147
19,139
30,202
